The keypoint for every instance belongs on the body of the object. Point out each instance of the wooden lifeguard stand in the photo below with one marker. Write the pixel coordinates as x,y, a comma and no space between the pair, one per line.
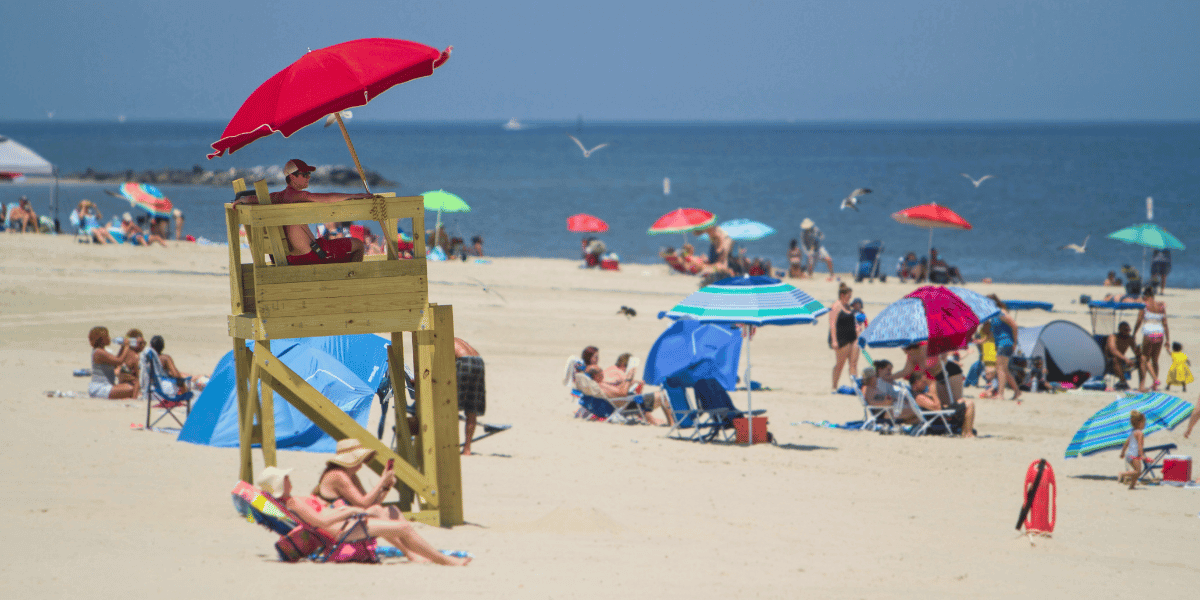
384,294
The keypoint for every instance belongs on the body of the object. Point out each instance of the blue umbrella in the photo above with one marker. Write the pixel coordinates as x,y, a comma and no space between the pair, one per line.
689,351
744,230
748,301
1109,427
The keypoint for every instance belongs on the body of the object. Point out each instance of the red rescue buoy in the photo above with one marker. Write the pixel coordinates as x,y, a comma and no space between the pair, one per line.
1040,509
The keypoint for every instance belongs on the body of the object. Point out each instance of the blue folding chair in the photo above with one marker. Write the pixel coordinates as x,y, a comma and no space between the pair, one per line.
156,397
716,411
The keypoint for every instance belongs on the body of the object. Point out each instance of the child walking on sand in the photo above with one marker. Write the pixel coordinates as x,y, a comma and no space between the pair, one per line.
1134,449
1181,367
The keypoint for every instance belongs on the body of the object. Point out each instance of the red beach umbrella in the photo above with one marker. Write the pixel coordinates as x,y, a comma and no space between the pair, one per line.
931,216
327,81
682,220
585,223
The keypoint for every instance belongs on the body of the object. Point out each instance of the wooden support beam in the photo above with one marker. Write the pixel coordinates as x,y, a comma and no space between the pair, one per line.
404,445
266,413
438,410
335,422
241,361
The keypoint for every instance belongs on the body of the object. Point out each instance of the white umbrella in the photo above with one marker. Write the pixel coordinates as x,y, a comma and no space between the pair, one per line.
16,158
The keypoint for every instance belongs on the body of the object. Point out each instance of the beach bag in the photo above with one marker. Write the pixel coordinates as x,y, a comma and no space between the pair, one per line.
360,551
298,543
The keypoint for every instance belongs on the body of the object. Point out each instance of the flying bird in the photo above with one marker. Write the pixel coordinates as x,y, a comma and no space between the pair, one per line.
977,181
586,153
852,200
488,290
627,311
330,119
1078,248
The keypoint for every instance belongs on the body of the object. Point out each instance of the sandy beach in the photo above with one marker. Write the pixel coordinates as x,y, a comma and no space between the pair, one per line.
559,507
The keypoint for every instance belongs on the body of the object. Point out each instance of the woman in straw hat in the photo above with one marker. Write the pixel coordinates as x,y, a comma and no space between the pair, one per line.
334,519
339,483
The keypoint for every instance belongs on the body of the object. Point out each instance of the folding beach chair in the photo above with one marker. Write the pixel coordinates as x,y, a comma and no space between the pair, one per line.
869,254
156,397
299,539
1154,456
878,417
386,394
928,421
626,409
716,411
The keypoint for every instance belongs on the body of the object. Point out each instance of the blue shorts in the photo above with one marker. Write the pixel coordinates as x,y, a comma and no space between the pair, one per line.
1005,351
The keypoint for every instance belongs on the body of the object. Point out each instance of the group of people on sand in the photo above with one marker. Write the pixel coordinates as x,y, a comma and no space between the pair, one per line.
618,383
142,231
933,269
339,503
1155,330
118,374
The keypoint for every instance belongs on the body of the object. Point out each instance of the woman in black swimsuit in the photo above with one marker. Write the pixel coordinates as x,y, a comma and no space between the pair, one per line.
843,331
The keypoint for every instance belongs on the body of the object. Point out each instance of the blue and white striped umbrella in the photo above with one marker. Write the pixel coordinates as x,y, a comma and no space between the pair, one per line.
949,314
749,300
1109,427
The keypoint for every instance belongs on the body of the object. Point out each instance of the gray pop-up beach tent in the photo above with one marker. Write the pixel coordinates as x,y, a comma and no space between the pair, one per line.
1064,346
15,158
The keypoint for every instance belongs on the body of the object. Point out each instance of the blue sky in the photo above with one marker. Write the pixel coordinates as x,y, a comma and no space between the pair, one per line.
624,60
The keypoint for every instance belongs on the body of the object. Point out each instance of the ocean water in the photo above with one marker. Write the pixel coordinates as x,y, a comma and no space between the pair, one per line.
1052,183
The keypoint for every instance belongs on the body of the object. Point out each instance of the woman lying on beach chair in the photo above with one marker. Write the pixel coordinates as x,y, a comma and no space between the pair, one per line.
336,520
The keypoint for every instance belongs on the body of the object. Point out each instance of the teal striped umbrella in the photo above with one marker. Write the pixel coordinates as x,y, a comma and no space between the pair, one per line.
1109,427
748,301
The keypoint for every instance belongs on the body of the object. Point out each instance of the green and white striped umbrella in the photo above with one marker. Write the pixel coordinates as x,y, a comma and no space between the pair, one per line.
1109,427
749,300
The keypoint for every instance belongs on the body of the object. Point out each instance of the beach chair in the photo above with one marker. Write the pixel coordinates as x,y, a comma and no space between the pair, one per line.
869,254
676,264
387,395
928,421
626,409
301,540
686,418
1154,458
152,388
716,411
878,417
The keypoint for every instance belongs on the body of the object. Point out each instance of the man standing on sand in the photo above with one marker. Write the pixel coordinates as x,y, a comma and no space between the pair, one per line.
813,241
303,247
719,249
472,395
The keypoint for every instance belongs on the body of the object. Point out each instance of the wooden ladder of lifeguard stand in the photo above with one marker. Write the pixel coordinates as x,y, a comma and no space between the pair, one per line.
384,294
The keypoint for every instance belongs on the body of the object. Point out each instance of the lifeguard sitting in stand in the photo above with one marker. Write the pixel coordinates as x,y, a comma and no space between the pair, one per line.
303,247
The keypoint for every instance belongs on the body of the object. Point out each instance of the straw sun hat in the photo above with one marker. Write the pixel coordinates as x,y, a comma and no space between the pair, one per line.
806,223
271,480
350,454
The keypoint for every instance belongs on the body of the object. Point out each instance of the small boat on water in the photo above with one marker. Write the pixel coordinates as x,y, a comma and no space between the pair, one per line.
513,125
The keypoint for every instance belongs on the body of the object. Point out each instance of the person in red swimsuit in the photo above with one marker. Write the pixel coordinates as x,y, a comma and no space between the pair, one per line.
303,247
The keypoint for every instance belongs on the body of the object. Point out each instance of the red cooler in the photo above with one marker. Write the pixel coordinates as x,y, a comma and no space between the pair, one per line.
1177,468
760,430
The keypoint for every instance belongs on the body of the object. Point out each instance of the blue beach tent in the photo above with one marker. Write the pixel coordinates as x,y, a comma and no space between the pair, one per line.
346,369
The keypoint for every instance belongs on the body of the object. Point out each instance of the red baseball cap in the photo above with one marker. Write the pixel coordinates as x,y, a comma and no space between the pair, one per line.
297,165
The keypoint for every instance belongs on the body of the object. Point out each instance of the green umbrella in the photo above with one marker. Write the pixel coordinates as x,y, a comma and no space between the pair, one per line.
443,201
1148,235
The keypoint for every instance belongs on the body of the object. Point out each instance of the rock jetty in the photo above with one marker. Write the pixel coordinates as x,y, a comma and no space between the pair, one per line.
324,175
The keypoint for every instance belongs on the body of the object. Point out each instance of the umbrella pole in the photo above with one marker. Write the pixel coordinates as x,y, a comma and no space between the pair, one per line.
749,398
927,253
353,154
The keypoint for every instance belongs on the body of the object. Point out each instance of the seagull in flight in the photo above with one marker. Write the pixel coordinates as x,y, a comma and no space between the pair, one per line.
586,153
852,199
487,290
977,181
1078,248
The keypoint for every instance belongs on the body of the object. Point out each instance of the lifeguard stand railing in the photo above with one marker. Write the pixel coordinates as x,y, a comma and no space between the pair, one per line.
383,294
